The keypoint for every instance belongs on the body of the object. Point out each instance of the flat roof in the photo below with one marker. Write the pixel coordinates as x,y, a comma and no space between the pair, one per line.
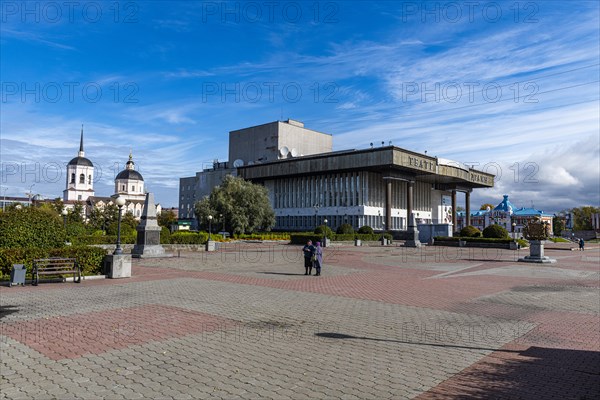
393,162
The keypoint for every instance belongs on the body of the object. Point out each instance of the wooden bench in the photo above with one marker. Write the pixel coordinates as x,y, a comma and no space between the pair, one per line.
55,266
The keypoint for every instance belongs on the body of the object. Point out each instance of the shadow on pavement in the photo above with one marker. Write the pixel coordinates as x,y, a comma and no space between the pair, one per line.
281,273
536,373
335,335
7,310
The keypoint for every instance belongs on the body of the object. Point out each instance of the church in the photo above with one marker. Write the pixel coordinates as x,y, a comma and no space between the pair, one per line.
129,183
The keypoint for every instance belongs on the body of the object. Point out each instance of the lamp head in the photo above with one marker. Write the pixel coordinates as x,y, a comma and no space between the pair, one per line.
64,212
120,201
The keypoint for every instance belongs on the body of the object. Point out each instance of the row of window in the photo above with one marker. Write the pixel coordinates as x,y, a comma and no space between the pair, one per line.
81,178
346,190
307,222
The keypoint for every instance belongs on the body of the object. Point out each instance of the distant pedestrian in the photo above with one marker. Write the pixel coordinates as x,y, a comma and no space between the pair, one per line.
309,253
318,258
581,244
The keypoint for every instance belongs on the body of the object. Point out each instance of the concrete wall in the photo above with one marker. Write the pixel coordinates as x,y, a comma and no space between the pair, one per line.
262,143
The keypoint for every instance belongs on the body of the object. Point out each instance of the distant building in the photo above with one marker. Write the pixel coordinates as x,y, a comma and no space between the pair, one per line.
80,177
129,183
505,214
309,183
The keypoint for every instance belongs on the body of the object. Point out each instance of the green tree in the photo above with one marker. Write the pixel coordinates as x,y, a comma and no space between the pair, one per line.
582,217
76,215
557,225
486,205
245,207
166,218
101,218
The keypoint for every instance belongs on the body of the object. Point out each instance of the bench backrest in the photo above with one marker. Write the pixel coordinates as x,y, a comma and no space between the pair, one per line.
54,262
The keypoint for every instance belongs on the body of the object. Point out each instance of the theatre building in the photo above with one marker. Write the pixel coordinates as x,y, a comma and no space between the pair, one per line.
309,183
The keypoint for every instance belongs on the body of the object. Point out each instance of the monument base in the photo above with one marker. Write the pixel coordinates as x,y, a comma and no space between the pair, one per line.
412,237
149,251
536,254
117,266
538,260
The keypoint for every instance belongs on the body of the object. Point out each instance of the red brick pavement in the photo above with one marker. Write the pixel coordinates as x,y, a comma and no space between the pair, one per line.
97,332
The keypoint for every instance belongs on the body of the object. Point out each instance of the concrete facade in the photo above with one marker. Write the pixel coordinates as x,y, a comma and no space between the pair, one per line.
275,141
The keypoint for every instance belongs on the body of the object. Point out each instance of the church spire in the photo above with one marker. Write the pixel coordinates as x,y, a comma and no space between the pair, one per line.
81,152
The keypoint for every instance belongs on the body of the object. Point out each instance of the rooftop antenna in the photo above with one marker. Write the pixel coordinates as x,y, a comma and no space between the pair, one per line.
425,151
382,143
371,144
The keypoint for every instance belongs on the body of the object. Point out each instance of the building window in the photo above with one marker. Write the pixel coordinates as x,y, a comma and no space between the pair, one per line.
89,179
72,178
82,178
123,188
78,197
133,188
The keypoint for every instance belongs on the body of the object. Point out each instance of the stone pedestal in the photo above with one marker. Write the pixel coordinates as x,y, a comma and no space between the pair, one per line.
536,254
148,233
211,245
412,239
117,266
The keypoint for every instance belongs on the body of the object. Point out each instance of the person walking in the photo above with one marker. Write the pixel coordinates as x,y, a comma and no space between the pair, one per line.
309,252
581,244
318,259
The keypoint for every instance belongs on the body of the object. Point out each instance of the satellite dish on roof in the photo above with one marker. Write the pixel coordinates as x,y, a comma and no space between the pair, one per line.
238,163
294,152
250,162
283,152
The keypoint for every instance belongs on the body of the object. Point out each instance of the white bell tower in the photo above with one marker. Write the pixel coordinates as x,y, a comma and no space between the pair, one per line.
80,176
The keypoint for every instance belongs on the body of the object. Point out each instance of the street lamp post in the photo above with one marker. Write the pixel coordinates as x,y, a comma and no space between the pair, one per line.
513,229
64,213
120,203
223,220
383,233
325,233
210,217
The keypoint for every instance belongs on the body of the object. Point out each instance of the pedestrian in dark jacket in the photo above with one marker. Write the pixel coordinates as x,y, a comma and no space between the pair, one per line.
318,258
581,244
309,252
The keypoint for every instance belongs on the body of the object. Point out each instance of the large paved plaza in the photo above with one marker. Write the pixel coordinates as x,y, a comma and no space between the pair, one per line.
244,322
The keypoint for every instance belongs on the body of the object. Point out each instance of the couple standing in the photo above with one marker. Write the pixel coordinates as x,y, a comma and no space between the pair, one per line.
313,256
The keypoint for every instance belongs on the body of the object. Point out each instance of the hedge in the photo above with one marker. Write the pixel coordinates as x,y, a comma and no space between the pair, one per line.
89,258
302,238
104,239
264,236
183,237
31,227
471,239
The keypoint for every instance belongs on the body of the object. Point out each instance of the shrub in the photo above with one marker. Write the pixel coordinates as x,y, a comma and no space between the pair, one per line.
302,238
183,237
89,258
345,229
323,230
31,227
165,235
106,239
365,230
495,231
470,231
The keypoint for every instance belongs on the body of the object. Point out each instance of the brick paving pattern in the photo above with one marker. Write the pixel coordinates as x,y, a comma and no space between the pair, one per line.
244,322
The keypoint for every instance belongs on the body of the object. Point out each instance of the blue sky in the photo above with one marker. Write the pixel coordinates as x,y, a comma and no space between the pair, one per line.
510,87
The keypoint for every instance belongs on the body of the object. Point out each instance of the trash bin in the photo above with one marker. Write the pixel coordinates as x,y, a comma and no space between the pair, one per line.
17,275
